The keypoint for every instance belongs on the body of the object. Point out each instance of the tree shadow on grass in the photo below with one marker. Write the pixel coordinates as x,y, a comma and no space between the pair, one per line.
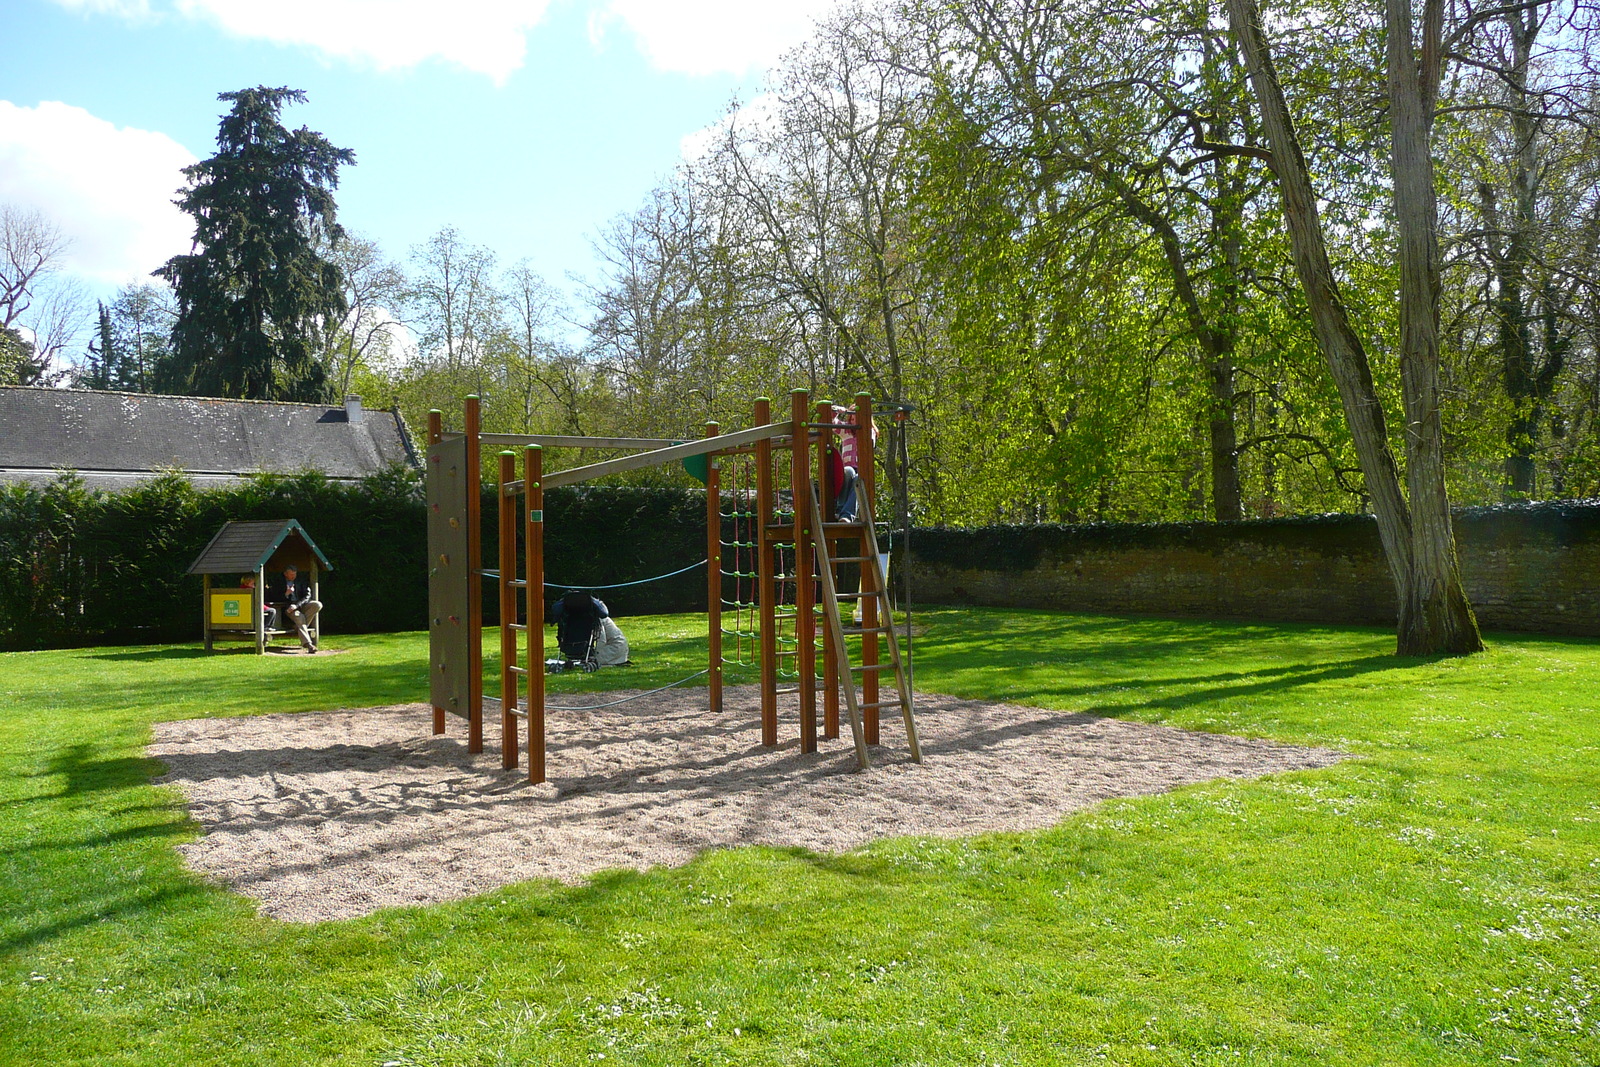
1151,694
165,653
132,906
84,772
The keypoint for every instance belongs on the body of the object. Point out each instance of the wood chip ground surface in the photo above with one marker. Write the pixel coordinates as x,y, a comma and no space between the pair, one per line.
332,815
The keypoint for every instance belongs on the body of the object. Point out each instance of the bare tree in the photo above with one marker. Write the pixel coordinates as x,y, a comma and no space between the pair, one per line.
374,289
44,315
454,301
538,367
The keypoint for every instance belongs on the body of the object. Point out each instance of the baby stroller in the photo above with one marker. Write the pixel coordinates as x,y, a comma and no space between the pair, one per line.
577,617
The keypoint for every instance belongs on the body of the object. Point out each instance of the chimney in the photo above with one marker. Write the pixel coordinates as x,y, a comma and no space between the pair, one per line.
352,409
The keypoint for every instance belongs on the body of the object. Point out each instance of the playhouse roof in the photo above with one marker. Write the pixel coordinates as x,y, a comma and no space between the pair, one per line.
242,547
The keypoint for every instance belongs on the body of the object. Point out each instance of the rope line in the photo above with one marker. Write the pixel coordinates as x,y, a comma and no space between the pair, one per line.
615,585
624,700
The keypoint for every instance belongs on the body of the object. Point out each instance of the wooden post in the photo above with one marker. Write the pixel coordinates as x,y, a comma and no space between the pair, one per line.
261,619
508,612
205,610
316,594
435,435
474,619
533,575
714,575
869,604
766,592
805,622
830,656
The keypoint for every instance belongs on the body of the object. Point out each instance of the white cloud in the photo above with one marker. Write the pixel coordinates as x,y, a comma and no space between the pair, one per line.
711,36
110,190
696,37
125,8
760,112
485,36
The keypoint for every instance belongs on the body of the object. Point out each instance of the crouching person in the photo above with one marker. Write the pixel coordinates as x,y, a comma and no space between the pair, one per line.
610,647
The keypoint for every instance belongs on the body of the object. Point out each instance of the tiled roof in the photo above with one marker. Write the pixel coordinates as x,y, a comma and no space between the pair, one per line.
246,546
113,438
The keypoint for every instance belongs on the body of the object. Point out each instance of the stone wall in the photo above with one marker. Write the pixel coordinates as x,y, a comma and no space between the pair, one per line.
1533,567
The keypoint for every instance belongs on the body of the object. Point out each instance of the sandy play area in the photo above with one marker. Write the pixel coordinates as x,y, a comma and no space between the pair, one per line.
332,815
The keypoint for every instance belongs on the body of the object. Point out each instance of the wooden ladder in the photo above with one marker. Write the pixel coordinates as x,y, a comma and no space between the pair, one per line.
874,577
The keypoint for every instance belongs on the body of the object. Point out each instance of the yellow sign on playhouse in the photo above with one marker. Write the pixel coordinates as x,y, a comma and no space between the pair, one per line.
231,608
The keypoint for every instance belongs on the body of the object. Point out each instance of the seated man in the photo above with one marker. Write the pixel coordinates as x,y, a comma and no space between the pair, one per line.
292,596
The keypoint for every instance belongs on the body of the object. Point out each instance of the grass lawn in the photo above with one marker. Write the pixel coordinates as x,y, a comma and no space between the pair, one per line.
1434,900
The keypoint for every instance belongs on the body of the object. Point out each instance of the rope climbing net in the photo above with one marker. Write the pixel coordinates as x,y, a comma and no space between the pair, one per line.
741,569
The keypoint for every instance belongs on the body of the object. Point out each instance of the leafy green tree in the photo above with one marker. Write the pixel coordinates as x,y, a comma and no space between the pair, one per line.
105,365
256,297
16,356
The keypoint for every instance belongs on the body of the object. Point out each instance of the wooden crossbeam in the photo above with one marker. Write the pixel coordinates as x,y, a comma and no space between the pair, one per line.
665,455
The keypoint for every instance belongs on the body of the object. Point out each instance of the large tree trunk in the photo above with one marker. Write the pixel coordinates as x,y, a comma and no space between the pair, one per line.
1434,613
1420,551
1227,501
1528,384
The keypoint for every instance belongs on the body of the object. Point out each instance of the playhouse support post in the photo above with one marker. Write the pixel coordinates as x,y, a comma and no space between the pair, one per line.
508,612
435,435
261,618
533,591
474,620
830,656
805,619
766,591
714,576
869,604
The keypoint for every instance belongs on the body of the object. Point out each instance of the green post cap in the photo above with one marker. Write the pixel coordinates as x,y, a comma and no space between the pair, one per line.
530,448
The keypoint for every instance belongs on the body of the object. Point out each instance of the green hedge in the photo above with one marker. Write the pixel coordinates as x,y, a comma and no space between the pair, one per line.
90,567
84,567
1023,548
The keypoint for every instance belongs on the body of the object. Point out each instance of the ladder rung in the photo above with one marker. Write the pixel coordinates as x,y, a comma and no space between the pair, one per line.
873,667
880,704
785,692
843,526
518,626
517,583
851,559
857,630
517,670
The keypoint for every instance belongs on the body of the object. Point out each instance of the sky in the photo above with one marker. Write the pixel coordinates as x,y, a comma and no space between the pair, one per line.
526,124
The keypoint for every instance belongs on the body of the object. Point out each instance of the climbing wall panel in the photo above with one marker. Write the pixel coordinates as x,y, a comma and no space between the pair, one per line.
447,481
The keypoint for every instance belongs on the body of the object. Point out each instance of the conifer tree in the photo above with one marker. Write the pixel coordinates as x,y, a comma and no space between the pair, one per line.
254,297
